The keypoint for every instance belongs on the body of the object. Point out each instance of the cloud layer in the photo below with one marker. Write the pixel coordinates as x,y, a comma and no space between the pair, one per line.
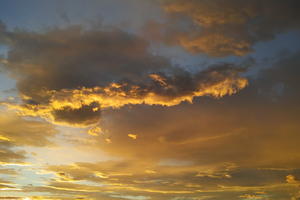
98,113
223,28
18,132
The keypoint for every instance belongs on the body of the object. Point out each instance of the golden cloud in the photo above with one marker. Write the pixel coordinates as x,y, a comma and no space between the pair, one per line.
18,132
160,89
223,28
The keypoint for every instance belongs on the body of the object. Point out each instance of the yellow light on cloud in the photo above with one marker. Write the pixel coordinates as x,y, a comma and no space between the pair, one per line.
133,136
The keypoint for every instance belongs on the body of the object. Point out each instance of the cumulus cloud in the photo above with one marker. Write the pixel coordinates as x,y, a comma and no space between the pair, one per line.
69,75
72,58
223,28
75,57
83,106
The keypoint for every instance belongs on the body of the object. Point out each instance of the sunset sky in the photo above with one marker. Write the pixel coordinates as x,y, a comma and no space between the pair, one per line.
149,100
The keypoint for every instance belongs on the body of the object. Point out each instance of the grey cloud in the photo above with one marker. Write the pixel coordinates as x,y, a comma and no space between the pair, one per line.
73,58
222,28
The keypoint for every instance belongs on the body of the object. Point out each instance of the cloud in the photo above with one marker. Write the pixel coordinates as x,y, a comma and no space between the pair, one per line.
18,132
83,106
8,155
242,146
75,57
167,183
291,179
133,136
27,132
94,131
8,171
222,28
72,58
7,185
214,131
69,75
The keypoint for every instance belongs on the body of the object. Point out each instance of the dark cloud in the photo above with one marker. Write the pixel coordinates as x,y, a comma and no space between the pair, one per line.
72,58
68,75
82,106
223,28
85,115
256,127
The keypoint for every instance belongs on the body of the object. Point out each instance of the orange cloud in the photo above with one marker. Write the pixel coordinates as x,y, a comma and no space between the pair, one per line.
133,136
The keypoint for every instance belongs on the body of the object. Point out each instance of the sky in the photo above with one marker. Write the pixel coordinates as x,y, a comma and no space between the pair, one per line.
149,100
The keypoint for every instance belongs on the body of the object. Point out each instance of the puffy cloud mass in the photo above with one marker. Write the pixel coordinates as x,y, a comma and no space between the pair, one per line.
222,28
69,75
83,106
